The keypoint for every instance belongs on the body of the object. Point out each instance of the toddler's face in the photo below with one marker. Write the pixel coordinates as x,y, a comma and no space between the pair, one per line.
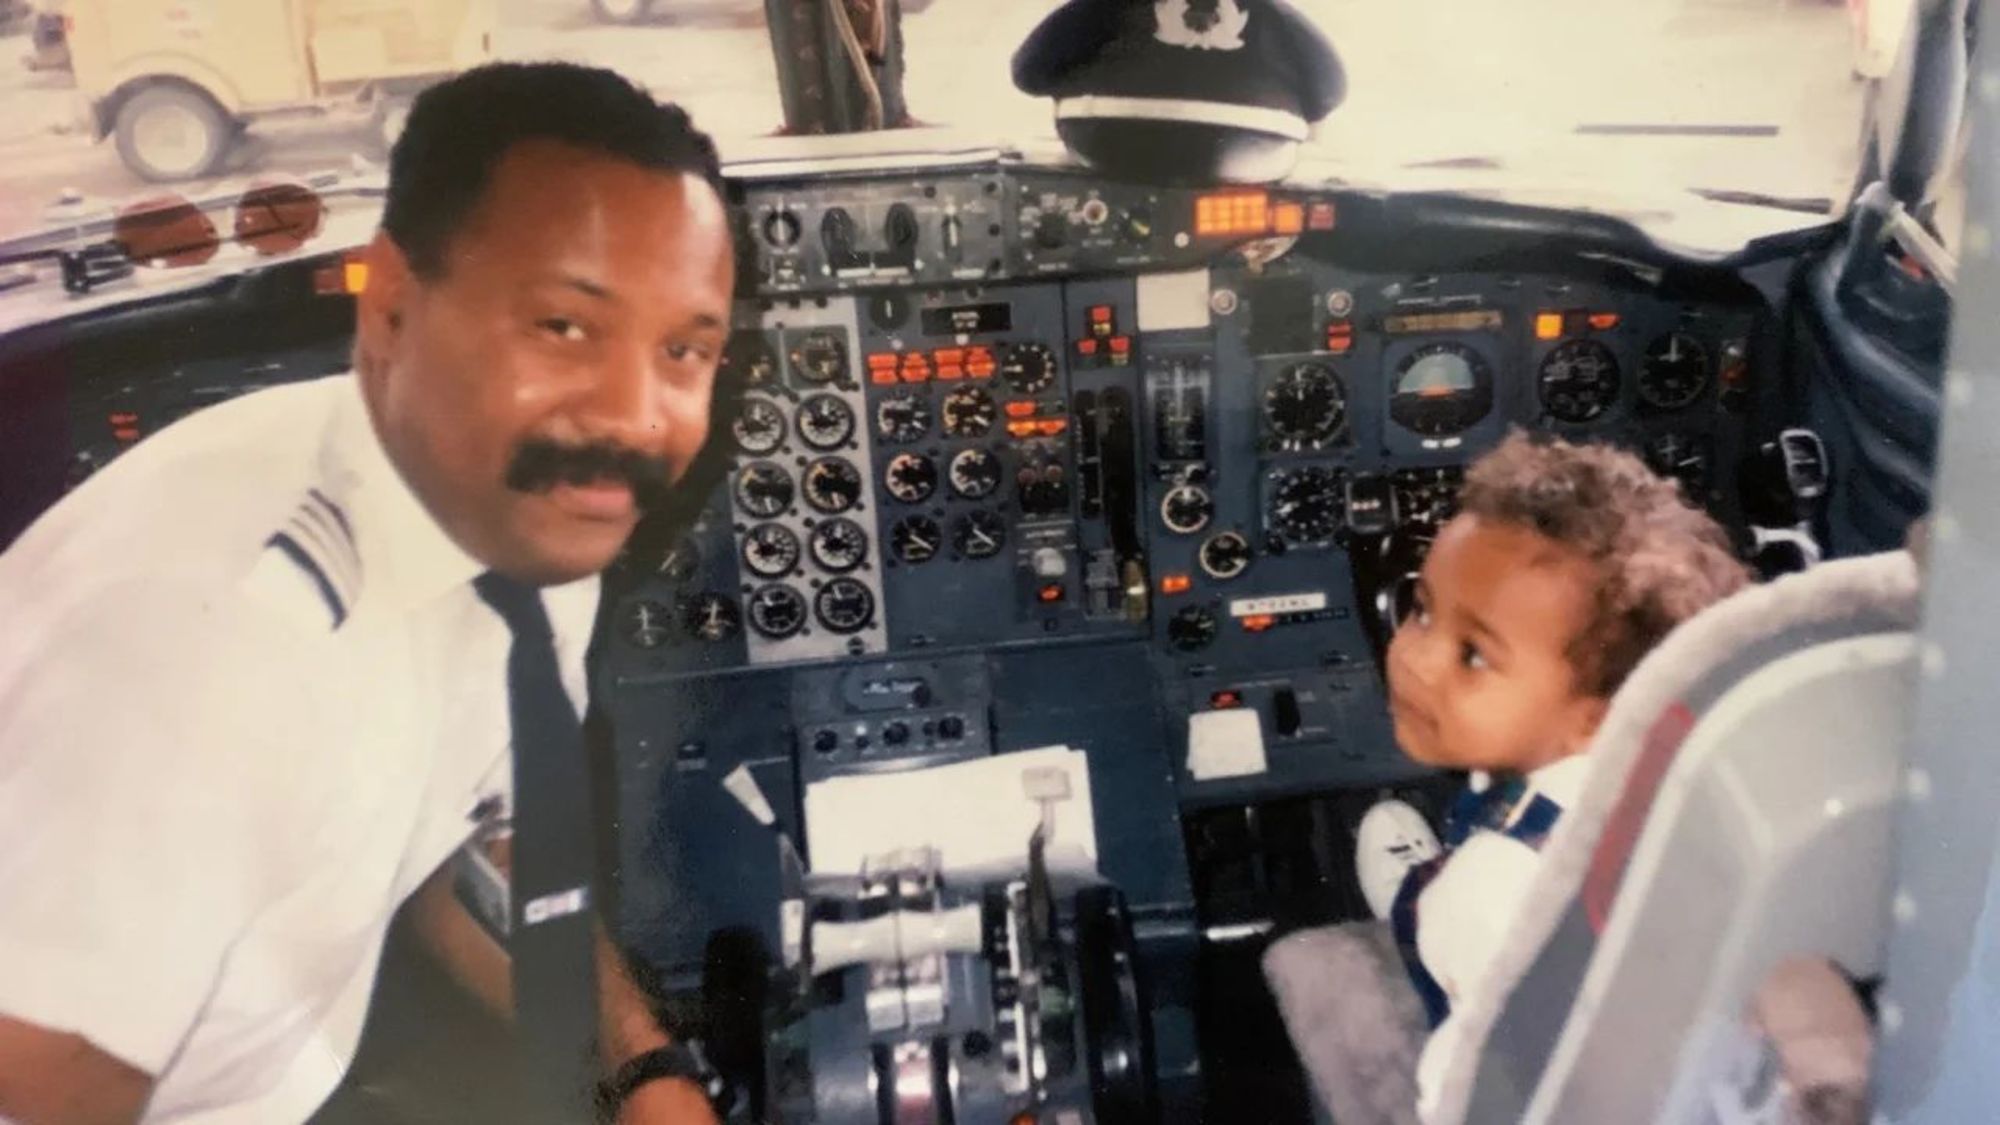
1480,676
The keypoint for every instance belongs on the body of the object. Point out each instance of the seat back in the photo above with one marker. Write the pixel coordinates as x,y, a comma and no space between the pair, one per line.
1738,811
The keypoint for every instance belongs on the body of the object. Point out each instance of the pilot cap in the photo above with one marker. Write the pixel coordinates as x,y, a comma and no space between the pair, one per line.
1257,67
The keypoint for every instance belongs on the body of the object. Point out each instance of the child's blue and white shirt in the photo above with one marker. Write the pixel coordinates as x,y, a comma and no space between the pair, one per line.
1453,913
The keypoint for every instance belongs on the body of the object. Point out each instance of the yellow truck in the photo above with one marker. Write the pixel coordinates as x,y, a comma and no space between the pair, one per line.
176,82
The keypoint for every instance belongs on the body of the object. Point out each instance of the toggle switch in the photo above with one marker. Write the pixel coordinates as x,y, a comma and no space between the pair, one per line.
1285,717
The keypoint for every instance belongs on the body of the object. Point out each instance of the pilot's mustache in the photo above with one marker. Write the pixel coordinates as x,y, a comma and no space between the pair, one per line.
539,465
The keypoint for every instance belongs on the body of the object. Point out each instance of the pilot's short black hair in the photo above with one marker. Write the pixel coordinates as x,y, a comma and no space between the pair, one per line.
459,129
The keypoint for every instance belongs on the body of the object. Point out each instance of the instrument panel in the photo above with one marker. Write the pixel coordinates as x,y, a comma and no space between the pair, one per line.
1019,408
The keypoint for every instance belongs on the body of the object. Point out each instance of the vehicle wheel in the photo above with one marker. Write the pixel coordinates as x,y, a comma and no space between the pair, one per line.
169,132
622,11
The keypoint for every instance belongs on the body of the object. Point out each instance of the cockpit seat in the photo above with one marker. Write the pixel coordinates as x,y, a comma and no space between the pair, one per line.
1738,814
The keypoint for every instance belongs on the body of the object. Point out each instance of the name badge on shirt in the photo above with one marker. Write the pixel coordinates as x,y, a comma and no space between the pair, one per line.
561,904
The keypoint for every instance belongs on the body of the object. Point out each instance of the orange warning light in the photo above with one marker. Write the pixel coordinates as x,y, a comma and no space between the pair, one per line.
1232,213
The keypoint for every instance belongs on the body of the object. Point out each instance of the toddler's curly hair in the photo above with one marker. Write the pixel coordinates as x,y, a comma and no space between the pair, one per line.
1659,561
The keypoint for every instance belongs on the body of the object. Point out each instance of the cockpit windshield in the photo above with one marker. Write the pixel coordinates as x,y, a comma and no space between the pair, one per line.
1756,103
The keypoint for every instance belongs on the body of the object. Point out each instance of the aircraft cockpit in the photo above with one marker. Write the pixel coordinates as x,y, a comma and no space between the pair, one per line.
1006,681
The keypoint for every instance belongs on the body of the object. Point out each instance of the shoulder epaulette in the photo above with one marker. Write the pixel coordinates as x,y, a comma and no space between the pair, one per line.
318,540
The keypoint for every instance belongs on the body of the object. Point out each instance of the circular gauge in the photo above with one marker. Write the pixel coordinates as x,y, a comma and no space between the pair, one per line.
1674,372
1029,368
711,617
968,412
974,474
674,563
832,485
763,489
647,624
1426,499
749,356
759,427
978,535
820,356
915,539
910,478
825,422
1043,489
839,545
844,606
1306,505
1579,381
902,418
680,562
770,550
1225,556
1441,389
776,612
1680,457
1305,407
1192,629
1186,509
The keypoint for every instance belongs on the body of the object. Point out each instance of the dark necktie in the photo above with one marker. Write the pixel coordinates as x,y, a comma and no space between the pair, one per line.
552,941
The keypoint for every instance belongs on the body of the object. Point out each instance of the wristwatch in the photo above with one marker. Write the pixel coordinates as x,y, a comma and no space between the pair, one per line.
683,1058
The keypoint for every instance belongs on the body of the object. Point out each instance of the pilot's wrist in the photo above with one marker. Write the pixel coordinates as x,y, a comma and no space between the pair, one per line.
666,1101
668,1083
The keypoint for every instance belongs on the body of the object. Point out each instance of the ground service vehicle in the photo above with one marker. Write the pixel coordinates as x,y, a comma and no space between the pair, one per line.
175,83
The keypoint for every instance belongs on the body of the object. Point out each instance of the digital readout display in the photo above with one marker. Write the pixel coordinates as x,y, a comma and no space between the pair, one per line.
1461,320
968,320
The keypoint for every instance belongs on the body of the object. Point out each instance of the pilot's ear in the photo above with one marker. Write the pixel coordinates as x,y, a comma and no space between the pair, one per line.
379,307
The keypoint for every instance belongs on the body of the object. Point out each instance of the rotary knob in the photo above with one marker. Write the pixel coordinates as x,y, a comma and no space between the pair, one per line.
1052,230
781,229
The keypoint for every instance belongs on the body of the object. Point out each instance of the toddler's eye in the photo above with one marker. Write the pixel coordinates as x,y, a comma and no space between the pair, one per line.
1470,656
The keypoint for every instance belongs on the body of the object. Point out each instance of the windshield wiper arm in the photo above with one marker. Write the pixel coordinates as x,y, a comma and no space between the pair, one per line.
1803,204
1472,163
1651,129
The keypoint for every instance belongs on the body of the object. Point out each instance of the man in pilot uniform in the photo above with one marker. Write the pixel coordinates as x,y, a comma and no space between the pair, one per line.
256,675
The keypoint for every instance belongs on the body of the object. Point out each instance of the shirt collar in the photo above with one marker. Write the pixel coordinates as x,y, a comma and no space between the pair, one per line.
407,559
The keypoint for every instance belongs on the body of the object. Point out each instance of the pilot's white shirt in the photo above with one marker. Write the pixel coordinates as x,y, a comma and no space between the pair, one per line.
248,702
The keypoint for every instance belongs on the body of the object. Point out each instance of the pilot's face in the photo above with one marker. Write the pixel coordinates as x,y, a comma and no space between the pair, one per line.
1480,676
555,376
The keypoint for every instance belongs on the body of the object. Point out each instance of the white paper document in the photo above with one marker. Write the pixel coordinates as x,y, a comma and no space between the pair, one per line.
1225,744
978,815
